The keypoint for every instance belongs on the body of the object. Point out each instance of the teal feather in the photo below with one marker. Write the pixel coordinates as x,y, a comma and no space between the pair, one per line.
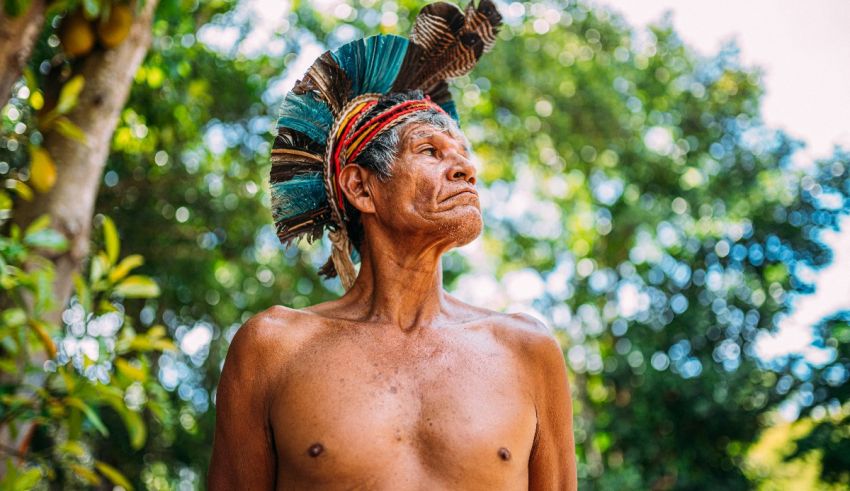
305,113
450,108
372,64
301,194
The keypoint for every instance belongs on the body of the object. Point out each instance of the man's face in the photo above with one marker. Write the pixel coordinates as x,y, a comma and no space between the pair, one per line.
432,190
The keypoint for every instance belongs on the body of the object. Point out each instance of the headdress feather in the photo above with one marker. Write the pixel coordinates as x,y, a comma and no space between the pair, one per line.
445,42
305,113
373,63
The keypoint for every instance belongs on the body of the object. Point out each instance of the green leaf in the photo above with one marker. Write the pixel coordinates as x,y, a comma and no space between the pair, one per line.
47,239
156,331
40,223
132,372
24,191
58,6
105,306
69,94
110,237
132,420
74,448
14,317
23,481
113,474
5,201
152,340
86,474
68,379
47,342
90,413
70,130
136,427
99,265
8,366
29,77
125,266
82,290
137,286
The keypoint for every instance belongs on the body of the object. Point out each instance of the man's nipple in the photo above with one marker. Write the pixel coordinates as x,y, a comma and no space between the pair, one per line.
315,450
504,454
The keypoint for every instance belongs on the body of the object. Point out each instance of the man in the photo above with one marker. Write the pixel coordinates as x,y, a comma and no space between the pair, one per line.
397,384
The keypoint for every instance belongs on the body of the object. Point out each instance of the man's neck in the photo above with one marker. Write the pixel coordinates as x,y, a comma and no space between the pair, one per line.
400,284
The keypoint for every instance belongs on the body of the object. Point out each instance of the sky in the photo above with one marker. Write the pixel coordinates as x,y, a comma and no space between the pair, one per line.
804,50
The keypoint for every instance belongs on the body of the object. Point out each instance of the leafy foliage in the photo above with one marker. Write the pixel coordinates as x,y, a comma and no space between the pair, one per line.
96,363
633,198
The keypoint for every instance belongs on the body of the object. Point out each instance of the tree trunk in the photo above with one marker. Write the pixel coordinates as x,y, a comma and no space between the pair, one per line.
70,203
17,37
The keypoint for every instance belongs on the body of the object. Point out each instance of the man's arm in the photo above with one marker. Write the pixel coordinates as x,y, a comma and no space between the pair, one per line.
243,455
552,465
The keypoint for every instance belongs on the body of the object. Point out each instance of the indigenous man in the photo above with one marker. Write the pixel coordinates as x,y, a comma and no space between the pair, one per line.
397,384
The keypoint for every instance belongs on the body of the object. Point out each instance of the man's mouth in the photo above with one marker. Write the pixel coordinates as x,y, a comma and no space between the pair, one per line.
462,193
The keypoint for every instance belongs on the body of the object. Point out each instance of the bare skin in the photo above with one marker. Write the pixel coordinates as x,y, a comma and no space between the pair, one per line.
397,384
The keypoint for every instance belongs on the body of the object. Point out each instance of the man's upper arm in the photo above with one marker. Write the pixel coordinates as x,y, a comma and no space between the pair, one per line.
243,455
552,465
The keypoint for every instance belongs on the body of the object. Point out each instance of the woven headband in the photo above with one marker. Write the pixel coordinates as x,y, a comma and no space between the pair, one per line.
347,144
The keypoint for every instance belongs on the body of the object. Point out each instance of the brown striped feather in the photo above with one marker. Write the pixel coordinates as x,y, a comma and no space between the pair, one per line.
447,44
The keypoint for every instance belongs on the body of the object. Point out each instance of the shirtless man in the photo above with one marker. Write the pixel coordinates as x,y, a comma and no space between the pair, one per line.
397,385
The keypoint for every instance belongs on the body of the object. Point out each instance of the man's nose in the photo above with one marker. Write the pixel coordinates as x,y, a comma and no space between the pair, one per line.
461,168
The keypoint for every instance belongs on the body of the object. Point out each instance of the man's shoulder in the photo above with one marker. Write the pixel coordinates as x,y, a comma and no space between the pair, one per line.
271,335
535,347
528,331
528,337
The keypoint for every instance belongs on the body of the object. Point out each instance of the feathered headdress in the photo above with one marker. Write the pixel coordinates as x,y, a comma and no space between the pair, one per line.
321,123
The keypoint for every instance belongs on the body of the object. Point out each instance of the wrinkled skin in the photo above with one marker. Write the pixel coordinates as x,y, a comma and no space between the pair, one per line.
397,385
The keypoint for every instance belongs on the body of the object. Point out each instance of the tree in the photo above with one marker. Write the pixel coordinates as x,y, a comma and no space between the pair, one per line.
77,136
822,394
633,198
20,25
54,408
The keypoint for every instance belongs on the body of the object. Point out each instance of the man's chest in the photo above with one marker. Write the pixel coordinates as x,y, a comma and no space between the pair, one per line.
450,410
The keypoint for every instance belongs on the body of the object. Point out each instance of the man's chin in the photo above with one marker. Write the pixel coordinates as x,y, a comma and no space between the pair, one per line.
466,227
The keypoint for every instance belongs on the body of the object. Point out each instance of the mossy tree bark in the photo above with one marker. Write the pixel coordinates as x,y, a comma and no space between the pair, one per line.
17,37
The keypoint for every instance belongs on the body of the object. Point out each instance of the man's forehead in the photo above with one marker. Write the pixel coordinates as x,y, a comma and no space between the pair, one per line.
418,131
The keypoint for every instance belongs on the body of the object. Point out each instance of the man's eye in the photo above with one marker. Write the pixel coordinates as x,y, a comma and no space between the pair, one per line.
429,151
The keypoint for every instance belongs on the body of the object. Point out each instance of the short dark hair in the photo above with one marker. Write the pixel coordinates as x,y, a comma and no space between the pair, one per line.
381,154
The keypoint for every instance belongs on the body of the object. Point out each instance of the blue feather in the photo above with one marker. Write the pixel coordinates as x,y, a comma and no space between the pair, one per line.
301,194
372,64
306,114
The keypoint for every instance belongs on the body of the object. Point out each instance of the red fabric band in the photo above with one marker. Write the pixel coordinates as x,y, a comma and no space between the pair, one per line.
374,127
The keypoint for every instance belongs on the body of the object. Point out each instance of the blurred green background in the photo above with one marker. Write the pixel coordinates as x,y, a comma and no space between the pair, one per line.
633,199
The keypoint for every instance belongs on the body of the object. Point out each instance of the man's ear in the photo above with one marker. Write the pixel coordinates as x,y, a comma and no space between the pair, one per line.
355,181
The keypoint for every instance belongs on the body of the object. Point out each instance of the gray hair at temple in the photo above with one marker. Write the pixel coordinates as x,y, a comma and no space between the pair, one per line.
381,153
